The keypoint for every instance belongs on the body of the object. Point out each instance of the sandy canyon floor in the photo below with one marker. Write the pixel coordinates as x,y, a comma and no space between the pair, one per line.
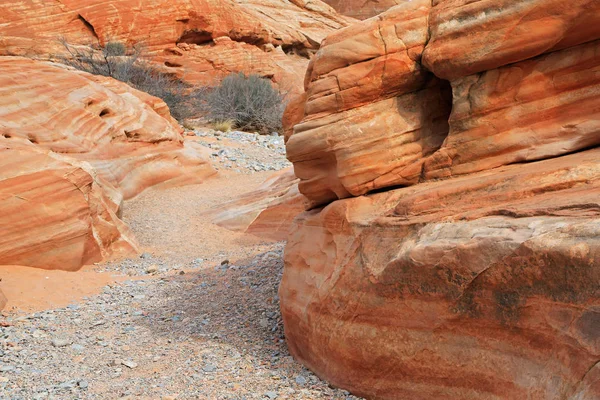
195,317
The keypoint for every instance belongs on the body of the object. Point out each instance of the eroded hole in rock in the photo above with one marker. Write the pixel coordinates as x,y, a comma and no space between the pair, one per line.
196,37
296,49
253,40
172,64
435,121
7,136
89,26
104,113
132,135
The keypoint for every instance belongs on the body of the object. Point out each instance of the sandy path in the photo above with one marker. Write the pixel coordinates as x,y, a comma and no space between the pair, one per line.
168,222
172,324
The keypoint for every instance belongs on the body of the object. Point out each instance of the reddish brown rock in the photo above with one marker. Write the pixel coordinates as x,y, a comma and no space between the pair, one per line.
477,287
119,131
334,157
372,113
184,36
72,147
370,60
267,212
470,36
56,213
362,9
532,110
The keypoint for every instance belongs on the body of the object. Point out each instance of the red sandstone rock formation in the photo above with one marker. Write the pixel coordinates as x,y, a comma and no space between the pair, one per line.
479,287
372,112
481,278
363,9
118,130
267,212
189,37
470,36
72,146
56,212
531,110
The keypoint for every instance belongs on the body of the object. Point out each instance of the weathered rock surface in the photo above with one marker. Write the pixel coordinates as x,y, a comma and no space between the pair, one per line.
478,287
334,158
118,130
188,37
470,36
267,212
481,278
367,78
56,213
370,60
72,147
362,9
531,110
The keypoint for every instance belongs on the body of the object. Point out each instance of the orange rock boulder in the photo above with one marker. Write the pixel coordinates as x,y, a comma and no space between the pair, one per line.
451,249
470,36
72,147
479,287
56,213
531,110
371,113
118,130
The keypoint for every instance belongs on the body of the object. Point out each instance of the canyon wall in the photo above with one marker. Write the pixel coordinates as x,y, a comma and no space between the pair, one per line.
451,244
363,9
200,41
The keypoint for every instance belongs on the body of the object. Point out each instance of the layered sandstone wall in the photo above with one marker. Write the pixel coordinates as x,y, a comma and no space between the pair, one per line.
72,147
363,9
451,249
199,40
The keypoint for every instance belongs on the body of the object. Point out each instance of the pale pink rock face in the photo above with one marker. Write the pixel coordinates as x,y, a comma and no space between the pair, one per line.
267,212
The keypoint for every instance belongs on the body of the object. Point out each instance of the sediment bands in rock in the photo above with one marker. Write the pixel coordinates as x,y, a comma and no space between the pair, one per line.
267,212
72,147
479,287
126,135
361,9
199,40
55,213
470,36
371,114
468,267
531,110
335,158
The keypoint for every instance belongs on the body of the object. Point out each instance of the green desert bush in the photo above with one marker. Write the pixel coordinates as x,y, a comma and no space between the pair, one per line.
250,102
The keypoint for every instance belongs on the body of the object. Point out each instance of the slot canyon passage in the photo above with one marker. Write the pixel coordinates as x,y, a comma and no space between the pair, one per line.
421,222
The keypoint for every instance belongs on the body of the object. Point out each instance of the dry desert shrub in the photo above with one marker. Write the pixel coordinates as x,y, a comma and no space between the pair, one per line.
250,102
128,64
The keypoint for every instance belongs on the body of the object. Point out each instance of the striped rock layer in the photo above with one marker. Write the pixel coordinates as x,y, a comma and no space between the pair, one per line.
200,41
72,147
451,247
